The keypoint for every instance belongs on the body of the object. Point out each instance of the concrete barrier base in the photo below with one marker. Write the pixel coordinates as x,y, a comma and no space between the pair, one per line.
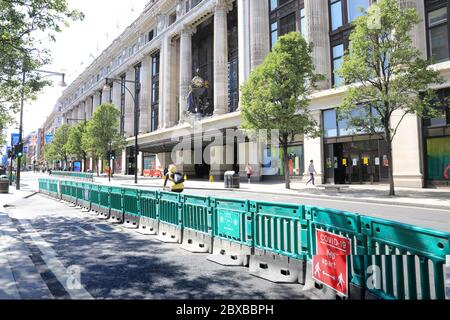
131,221
148,226
169,234
116,216
196,242
276,268
227,253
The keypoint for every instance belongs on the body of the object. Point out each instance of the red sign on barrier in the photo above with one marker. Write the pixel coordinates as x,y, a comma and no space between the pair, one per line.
330,262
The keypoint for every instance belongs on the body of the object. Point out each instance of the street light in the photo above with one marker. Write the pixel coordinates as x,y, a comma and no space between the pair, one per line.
22,102
137,84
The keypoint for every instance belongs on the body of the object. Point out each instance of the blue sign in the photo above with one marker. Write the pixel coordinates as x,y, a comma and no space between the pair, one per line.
77,166
25,150
15,138
48,138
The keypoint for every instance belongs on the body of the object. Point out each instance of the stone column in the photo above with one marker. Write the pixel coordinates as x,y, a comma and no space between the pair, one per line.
96,100
116,95
418,33
105,94
185,68
244,41
259,32
313,148
221,56
88,108
167,98
129,105
146,87
317,26
81,111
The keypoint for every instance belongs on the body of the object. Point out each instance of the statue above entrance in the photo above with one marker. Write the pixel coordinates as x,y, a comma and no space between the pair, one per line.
197,99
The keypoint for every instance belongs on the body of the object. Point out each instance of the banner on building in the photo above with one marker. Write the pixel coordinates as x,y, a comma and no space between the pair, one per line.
48,138
15,138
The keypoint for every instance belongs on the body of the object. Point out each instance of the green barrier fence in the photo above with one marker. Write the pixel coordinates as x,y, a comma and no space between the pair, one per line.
406,248
280,228
74,175
131,207
104,201
117,203
232,221
410,259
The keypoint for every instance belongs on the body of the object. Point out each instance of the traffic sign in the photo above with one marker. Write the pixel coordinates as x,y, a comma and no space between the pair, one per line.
330,265
15,137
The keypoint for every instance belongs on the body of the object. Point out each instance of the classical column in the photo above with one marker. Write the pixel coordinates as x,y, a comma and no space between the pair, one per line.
167,97
418,33
129,104
313,148
259,32
221,56
185,68
116,94
81,111
146,86
88,108
96,100
317,32
105,94
244,41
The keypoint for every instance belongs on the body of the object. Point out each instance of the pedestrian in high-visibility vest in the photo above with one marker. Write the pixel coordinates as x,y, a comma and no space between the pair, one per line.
175,178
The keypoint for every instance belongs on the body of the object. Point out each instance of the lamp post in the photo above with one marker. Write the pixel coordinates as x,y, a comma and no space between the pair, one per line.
137,85
22,102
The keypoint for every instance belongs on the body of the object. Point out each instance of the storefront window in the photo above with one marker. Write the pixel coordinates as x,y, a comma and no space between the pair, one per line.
438,159
273,33
273,161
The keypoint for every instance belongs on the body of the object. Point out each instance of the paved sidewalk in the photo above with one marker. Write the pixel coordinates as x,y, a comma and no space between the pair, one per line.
425,198
19,276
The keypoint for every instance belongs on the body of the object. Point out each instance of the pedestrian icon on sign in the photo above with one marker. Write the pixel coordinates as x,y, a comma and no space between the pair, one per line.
317,270
341,282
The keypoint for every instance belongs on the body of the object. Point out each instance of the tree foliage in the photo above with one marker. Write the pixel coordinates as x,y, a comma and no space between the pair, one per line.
22,23
57,149
74,141
388,75
276,95
102,132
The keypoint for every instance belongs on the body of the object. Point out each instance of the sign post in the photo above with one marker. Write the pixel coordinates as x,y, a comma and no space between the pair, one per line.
330,266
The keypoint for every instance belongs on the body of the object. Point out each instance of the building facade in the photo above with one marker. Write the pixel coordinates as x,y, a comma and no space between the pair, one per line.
221,41
46,133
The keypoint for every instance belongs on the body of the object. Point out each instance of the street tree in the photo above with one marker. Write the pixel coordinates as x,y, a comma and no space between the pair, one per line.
74,144
275,97
387,76
57,149
26,29
102,132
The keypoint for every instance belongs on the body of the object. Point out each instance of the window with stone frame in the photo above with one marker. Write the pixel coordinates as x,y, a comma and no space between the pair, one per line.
285,16
122,103
438,29
341,15
154,114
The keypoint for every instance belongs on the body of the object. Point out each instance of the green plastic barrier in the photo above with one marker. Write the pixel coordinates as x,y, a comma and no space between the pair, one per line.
232,221
131,207
196,217
66,190
169,212
196,214
280,228
403,247
94,198
117,204
74,175
149,203
104,202
345,224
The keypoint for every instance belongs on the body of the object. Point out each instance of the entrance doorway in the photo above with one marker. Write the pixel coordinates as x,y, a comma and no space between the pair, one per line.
355,162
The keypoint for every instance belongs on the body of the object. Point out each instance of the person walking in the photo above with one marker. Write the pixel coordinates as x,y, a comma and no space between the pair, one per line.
175,178
312,172
249,170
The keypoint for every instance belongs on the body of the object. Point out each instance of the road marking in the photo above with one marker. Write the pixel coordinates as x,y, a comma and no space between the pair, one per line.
63,274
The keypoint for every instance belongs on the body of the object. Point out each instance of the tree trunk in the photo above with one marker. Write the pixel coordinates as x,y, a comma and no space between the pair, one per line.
287,179
98,167
391,170
84,163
